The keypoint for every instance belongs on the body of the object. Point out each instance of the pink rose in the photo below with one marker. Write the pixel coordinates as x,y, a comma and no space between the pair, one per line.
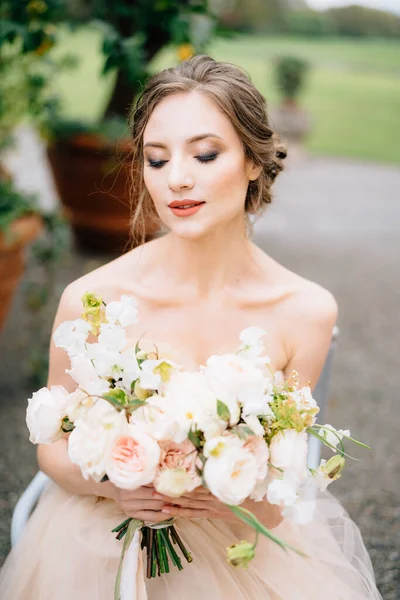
133,459
176,473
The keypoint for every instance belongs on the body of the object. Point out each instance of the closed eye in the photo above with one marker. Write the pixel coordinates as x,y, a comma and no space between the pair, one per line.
203,158
207,157
156,164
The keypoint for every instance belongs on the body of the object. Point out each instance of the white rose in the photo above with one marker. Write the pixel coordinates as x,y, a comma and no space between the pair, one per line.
155,419
123,312
288,451
44,414
133,459
71,336
230,473
175,482
190,401
90,442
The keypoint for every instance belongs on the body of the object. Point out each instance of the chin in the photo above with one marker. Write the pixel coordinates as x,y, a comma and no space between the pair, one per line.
190,231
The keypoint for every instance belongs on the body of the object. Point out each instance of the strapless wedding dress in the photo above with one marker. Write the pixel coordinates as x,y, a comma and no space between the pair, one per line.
67,552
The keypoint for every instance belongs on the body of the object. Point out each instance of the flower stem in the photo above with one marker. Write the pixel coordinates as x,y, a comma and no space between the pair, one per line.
150,535
175,538
174,557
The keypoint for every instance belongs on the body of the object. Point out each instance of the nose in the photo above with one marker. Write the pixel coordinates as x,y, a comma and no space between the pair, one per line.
178,177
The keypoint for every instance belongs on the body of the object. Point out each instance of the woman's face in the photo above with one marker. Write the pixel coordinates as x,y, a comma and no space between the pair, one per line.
194,159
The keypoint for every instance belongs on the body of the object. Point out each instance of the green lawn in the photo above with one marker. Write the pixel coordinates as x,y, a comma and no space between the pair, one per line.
353,91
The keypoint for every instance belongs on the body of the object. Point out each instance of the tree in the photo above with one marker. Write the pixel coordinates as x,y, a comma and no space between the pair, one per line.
133,32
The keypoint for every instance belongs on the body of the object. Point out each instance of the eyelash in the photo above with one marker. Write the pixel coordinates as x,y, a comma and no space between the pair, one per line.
203,158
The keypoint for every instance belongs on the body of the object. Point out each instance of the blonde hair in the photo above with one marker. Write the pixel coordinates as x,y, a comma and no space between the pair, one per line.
237,97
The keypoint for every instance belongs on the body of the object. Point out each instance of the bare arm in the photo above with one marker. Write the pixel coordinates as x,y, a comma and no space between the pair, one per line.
53,458
309,333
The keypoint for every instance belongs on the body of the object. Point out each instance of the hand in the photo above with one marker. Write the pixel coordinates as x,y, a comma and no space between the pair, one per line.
139,504
202,504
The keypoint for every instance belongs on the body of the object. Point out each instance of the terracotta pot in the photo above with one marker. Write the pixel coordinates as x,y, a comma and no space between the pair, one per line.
92,180
22,232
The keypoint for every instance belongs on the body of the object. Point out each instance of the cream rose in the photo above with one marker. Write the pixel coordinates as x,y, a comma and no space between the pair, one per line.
44,414
176,473
90,442
133,459
231,470
288,451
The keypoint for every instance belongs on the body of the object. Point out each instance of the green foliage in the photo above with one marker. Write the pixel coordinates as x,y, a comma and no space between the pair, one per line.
132,34
295,17
359,21
14,204
290,73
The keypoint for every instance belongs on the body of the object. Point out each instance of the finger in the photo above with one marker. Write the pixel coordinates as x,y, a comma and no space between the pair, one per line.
194,495
141,493
149,516
192,503
140,505
190,513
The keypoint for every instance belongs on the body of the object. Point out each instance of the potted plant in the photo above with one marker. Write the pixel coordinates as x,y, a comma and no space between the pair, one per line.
20,224
21,219
291,121
91,170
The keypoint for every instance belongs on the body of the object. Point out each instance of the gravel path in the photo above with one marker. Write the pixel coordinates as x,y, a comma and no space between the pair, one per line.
335,222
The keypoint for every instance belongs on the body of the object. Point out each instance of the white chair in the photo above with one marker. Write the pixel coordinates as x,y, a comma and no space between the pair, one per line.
31,495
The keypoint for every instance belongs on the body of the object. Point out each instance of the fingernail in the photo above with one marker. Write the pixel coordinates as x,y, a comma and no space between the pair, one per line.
166,510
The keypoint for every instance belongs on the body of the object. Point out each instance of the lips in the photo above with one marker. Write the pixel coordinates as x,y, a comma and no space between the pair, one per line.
185,203
185,208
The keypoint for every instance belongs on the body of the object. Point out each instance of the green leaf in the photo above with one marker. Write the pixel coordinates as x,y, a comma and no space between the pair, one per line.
135,404
242,431
323,440
223,411
116,397
247,517
196,437
118,394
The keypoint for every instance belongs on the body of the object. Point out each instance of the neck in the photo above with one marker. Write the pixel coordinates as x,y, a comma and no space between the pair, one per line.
208,264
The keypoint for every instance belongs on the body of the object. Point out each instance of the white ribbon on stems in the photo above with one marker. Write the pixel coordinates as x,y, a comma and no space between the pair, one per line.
130,582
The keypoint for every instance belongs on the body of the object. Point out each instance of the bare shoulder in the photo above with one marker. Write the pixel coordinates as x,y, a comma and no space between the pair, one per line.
310,302
110,280
298,297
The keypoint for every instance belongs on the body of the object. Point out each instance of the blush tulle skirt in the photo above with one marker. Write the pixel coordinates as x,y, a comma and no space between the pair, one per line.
67,551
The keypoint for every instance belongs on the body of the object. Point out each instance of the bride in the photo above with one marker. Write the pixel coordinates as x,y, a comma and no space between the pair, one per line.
205,159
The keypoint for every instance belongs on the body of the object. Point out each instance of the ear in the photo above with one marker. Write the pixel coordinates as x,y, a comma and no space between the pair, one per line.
253,171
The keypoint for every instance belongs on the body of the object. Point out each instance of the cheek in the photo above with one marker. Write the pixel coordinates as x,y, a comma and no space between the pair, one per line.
151,181
228,181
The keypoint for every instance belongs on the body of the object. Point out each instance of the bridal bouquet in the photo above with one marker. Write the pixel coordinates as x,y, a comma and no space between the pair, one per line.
137,418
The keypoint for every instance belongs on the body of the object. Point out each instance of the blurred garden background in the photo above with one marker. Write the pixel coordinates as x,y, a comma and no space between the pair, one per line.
68,71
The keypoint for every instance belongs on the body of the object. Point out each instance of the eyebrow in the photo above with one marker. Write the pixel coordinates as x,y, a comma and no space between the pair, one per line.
191,140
